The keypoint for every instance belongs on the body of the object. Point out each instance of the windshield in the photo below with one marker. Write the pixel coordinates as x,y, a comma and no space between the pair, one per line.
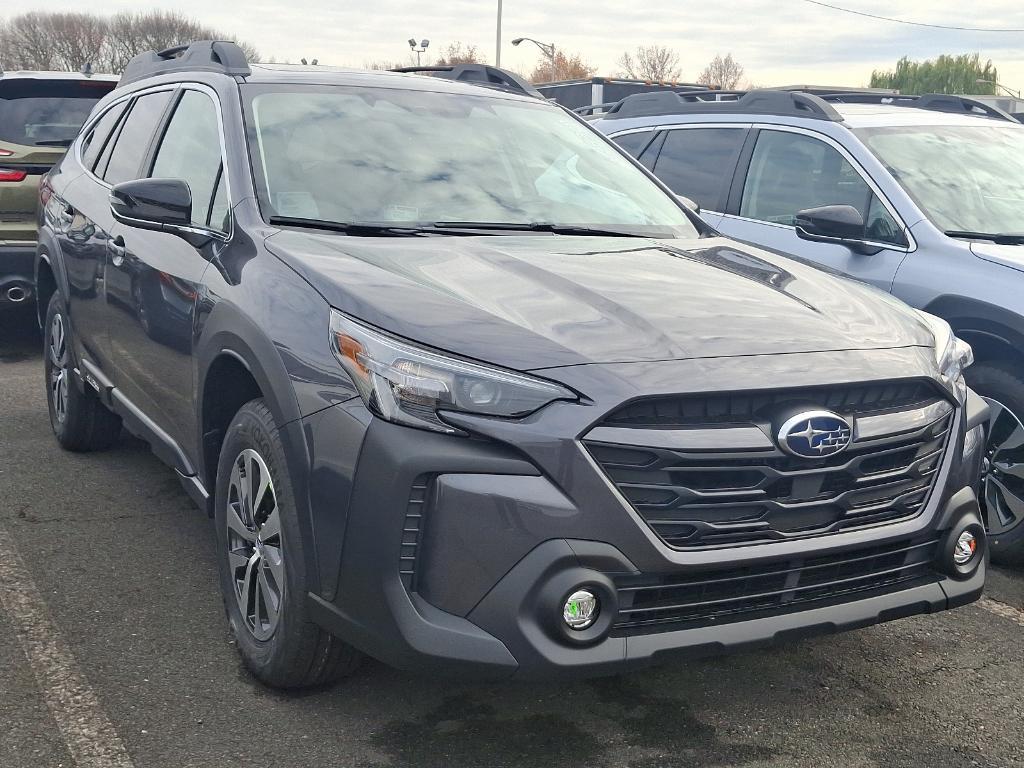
964,178
47,113
413,157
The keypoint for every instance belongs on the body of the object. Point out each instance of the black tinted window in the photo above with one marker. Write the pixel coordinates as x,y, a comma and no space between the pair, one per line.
98,136
47,113
699,163
190,150
135,136
634,143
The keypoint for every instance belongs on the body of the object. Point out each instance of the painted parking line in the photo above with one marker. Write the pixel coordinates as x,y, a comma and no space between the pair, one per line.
1016,615
89,736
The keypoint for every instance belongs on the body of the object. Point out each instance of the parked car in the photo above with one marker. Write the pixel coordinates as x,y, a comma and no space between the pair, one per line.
465,388
40,115
922,197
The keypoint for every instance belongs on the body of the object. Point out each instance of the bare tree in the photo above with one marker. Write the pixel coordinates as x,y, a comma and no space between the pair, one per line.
651,62
457,53
564,67
722,73
67,41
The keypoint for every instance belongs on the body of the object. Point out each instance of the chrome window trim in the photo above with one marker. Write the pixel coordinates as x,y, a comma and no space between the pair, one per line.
185,86
855,164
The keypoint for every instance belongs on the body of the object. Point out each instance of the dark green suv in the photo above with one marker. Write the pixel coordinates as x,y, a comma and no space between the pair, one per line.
40,115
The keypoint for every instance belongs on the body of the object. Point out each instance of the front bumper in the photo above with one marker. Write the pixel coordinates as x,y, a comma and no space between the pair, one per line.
474,587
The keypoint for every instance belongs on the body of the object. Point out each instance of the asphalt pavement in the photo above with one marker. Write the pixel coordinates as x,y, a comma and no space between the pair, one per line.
114,653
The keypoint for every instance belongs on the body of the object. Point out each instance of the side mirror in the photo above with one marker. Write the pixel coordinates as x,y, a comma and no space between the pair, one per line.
688,203
159,204
839,224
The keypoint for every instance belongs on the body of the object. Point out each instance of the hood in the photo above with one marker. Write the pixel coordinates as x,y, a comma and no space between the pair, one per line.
541,301
1011,256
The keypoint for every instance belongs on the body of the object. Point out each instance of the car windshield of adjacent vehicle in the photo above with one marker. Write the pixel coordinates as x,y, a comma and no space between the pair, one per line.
46,113
366,157
969,180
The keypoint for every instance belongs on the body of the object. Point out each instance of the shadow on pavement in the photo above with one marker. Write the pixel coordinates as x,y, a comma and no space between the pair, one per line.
19,335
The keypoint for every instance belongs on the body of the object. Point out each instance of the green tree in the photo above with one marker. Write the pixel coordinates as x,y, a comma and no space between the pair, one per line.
946,74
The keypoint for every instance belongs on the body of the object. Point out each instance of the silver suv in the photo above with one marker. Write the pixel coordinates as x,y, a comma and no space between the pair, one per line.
921,196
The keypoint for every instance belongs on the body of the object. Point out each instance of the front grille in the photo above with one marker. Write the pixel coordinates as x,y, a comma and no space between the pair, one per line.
748,407
733,495
658,604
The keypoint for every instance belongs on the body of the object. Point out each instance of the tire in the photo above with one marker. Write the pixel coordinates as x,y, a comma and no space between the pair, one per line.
260,556
78,418
1002,482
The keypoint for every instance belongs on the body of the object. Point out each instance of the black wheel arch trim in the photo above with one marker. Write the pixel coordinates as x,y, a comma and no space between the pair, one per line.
973,316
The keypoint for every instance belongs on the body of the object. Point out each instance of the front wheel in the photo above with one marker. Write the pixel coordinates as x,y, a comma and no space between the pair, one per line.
261,561
1002,482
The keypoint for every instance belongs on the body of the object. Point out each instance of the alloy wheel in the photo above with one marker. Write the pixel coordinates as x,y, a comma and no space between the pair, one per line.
255,555
1003,470
58,353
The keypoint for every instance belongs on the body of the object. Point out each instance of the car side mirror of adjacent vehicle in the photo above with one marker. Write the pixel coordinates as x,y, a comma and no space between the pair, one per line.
839,224
162,205
688,203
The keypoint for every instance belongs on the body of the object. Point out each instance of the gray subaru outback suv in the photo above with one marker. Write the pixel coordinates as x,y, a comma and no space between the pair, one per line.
921,196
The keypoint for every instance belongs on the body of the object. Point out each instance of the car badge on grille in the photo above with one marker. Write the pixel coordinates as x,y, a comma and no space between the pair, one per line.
815,434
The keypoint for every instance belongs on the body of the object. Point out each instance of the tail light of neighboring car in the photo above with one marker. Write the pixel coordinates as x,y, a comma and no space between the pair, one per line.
12,174
5,152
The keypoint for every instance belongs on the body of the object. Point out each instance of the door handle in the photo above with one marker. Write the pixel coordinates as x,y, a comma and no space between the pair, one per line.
117,249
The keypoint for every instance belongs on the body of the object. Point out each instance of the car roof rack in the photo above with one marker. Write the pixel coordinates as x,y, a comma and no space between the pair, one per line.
200,56
478,74
937,102
757,102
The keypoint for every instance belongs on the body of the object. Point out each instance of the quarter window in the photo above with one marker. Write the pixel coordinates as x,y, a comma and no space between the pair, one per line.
132,142
790,172
97,138
634,143
699,163
190,151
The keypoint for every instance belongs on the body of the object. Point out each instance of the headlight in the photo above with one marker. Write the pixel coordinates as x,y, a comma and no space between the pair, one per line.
407,384
952,355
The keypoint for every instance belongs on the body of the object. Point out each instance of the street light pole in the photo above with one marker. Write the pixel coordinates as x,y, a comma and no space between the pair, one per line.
497,42
548,49
1015,94
424,44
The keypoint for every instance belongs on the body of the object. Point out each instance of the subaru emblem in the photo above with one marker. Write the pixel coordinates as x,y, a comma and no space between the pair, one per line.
815,434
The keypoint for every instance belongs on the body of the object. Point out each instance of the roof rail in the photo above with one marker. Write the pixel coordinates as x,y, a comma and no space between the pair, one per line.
200,56
757,102
937,102
478,74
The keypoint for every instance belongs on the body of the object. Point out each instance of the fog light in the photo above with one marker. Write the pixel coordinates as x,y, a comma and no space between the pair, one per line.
581,609
966,547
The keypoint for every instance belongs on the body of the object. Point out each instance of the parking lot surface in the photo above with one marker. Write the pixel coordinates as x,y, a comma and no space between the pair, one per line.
114,652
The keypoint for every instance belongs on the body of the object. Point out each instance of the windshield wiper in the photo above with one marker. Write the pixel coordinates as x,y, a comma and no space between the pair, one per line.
54,142
1000,238
357,228
534,226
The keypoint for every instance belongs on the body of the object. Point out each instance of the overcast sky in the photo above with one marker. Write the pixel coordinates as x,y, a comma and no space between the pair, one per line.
778,41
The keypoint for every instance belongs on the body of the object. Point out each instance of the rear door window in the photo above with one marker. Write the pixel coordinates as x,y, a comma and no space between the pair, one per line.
131,144
100,132
46,113
699,163
190,151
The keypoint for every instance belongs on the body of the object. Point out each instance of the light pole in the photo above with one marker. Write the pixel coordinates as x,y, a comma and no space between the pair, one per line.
548,49
424,44
1015,94
497,42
